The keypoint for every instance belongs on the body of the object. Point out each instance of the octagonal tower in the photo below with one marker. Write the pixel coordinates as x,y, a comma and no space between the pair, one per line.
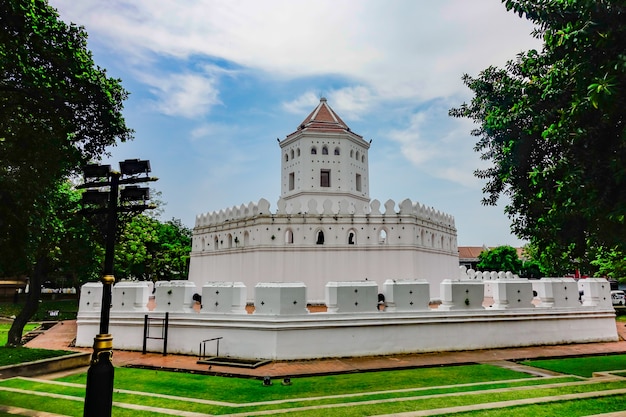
324,160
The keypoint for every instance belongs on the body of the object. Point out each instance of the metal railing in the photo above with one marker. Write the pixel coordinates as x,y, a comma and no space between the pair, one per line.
164,327
202,347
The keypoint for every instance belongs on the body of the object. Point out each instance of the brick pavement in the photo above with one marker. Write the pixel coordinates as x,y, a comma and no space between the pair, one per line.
61,335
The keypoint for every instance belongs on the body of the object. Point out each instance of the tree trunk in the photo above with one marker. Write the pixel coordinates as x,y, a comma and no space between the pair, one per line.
40,271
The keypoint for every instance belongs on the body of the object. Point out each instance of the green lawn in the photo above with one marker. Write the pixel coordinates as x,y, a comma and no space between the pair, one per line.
345,395
68,399
581,366
358,394
4,331
250,390
577,408
12,356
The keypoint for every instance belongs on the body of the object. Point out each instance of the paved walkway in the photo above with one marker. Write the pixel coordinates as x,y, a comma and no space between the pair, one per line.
61,335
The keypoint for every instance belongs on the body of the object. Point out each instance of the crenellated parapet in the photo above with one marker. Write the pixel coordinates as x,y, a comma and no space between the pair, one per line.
343,223
326,207
234,213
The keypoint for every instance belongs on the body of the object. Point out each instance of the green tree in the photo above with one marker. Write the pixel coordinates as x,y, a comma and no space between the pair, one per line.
610,263
58,110
61,242
501,258
152,250
172,261
552,124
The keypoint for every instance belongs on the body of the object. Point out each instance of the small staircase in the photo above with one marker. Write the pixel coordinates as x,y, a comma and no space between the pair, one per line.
31,335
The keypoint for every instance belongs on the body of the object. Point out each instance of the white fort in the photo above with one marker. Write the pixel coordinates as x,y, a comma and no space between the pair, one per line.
328,243
325,227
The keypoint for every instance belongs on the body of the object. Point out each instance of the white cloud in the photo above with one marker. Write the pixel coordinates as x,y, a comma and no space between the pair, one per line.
187,95
402,48
349,102
302,104
442,150
412,145
352,102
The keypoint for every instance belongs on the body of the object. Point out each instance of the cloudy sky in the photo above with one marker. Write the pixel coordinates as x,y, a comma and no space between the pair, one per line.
213,83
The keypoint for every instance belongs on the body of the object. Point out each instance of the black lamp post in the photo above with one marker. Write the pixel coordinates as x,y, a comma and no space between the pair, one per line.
99,393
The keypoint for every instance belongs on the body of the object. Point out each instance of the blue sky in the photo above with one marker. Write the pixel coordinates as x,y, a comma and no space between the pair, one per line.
213,83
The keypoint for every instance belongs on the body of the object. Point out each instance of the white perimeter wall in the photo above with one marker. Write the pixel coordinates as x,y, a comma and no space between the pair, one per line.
323,335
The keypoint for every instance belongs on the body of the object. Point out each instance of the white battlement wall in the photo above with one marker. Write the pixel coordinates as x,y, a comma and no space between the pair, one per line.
324,243
353,325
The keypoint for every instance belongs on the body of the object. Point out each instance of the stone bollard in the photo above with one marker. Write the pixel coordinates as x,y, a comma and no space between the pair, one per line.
276,298
596,292
512,293
352,297
406,295
175,296
90,297
224,297
461,295
130,296
557,292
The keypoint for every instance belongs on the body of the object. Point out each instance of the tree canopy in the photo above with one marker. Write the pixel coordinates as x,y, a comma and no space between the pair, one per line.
552,124
501,258
58,110
149,249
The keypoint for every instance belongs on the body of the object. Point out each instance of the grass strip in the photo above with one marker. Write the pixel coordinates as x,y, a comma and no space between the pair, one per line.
584,366
15,355
570,408
366,406
193,404
62,406
441,402
237,390
4,330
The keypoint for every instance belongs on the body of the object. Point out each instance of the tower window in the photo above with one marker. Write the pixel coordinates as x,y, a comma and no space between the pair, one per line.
286,157
292,154
324,150
314,151
382,236
337,151
358,156
358,182
325,178
320,238
292,181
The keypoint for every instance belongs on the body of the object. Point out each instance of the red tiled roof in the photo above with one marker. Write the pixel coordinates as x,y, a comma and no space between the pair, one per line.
324,119
470,252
